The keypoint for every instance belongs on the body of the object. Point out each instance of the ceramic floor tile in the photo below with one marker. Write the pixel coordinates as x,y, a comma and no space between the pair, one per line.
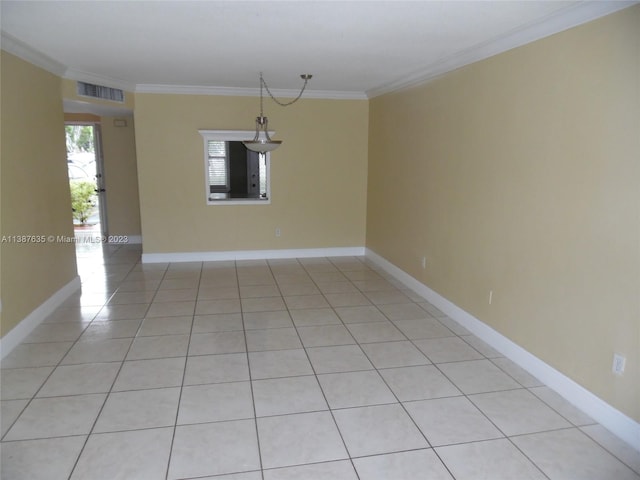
344,358
394,354
56,417
403,311
337,470
36,355
161,346
378,429
156,373
171,309
291,289
279,363
337,287
516,412
55,332
361,314
165,326
416,329
452,325
263,320
236,476
215,403
213,292
72,314
80,379
614,445
217,342
355,389
234,443
570,454
402,466
222,322
111,329
125,298
9,411
300,438
384,297
22,383
448,349
179,283
267,304
98,350
279,396
230,367
273,339
259,291
328,277
446,421
210,307
491,459
478,376
139,409
372,332
178,295
44,459
314,316
520,375
419,383
353,299
481,346
123,312
562,406
325,335
139,454
295,302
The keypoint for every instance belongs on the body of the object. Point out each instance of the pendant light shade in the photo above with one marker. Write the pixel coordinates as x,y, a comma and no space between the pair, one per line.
262,141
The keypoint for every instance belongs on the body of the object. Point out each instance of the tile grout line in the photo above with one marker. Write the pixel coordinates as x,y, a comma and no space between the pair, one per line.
184,370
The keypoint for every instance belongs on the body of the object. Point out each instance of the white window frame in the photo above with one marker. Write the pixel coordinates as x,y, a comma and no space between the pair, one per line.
233,136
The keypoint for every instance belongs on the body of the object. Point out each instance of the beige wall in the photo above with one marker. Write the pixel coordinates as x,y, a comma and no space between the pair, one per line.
121,176
35,190
318,175
520,175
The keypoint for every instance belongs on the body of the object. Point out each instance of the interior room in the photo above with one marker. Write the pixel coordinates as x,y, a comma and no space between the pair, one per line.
436,274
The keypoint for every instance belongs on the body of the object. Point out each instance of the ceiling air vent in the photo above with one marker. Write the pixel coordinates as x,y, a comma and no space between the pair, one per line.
98,91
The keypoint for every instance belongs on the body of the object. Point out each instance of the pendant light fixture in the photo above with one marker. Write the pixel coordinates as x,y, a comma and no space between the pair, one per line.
262,141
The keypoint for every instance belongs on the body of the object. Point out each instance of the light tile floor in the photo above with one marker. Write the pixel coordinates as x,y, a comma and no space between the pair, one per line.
304,369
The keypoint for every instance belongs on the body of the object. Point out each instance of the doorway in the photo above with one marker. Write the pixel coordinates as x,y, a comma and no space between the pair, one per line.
86,180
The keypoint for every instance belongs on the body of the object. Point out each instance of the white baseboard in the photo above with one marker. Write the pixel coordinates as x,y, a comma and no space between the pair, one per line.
251,254
611,418
18,333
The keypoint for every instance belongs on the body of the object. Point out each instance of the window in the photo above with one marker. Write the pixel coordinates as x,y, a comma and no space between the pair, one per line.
234,174
218,166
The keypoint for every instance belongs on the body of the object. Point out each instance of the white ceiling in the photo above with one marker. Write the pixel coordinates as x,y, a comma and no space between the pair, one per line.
354,49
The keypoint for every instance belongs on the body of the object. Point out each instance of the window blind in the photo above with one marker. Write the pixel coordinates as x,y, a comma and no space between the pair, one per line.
218,166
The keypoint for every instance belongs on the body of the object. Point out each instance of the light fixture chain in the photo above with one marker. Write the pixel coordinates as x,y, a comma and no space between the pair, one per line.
282,104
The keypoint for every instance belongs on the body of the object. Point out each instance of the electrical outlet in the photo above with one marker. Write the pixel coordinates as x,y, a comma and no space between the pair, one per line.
490,296
618,364
278,232
424,262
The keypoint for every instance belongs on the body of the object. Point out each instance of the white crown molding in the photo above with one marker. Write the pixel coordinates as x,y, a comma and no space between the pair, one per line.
31,55
557,22
246,92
